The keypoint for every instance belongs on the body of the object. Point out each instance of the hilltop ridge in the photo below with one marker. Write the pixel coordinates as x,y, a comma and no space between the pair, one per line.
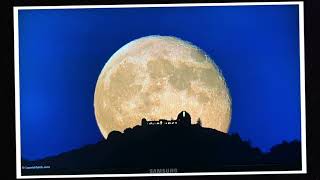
190,148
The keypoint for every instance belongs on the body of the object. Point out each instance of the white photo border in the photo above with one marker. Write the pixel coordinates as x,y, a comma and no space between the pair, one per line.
302,87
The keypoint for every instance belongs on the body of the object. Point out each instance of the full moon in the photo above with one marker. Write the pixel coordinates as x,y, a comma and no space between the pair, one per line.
157,77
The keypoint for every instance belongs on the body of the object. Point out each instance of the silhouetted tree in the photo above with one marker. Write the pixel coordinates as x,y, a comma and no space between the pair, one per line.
199,123
114,135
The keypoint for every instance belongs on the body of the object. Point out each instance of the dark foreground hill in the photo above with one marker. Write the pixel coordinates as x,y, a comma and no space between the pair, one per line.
169,148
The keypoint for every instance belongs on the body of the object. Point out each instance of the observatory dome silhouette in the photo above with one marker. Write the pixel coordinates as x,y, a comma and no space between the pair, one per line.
184,118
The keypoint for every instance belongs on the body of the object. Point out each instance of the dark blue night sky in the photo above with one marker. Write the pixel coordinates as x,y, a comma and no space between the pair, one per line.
63,51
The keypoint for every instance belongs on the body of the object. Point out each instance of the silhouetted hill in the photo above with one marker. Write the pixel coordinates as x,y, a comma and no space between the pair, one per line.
188,149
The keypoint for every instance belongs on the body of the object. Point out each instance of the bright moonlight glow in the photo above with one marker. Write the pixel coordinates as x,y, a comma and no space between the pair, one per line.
156,77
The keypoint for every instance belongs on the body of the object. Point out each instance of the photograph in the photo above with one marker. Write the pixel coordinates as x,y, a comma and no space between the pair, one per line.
159,90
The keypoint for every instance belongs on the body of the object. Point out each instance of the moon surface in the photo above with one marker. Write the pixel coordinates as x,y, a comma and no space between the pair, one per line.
157,77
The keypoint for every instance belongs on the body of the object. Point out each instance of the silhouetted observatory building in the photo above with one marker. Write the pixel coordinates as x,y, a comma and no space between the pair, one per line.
183,119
